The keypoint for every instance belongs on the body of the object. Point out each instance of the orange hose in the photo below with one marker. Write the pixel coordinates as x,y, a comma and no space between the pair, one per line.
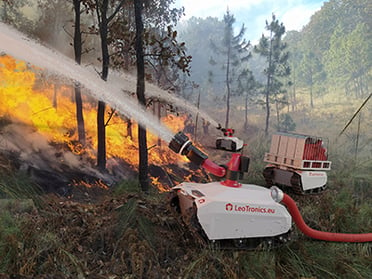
327,236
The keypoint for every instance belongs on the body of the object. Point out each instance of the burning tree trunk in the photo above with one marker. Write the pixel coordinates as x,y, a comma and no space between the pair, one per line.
55,96
159,117
143,155
129,128
102,7
79,114
78,53
101,131
101,136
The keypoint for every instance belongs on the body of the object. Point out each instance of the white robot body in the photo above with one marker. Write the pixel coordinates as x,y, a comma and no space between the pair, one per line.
243,212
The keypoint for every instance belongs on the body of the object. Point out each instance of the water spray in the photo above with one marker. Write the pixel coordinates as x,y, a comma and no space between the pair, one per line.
153,91
21,47
163,95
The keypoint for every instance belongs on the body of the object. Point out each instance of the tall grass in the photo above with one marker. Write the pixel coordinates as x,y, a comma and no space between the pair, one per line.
9,234
18,186
347,208
18,197
255,150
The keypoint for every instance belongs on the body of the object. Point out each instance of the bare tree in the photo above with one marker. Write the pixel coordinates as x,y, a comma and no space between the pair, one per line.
78,53
142,136
102,9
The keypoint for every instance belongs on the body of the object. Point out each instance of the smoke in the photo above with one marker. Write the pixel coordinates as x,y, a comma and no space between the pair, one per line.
34,151
32,147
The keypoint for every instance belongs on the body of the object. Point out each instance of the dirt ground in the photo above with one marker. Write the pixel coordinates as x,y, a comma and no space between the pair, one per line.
95,235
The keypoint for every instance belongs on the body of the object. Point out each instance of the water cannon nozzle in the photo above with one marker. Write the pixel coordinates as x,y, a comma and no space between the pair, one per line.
179,143
182,145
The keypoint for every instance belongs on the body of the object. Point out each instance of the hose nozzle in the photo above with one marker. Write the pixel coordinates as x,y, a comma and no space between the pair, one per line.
276,194
182,145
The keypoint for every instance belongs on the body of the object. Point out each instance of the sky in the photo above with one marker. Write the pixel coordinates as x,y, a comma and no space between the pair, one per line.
253,13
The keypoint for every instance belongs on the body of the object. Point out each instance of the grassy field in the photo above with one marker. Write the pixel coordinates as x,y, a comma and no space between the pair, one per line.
122,233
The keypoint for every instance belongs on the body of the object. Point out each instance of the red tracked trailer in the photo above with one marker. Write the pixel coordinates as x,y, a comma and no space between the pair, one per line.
298,162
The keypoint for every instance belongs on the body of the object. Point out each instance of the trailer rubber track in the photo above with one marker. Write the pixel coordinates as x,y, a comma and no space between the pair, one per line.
296,184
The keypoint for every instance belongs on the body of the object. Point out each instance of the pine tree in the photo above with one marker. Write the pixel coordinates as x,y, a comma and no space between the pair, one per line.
311,72
274,50
234,49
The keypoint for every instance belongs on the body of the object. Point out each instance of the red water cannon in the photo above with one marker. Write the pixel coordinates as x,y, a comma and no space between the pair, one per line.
233,171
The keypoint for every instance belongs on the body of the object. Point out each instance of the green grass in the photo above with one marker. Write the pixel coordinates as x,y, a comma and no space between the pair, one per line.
126,186
9,235
255,150
18,186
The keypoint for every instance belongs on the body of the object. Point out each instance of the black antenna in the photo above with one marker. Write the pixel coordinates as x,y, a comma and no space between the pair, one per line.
355,114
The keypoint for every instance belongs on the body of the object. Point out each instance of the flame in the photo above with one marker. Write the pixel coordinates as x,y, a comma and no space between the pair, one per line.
162,187
98,184
51,110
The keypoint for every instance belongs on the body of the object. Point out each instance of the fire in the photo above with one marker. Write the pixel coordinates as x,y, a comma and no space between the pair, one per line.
51,110
98,184
162,187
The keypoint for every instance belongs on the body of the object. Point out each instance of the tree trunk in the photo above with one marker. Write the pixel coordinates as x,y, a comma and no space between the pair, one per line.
55,91
159,117
311,90
268,87
143,155
78,53
277,114
357,137
228,89
129,128
79,114
197,118
101,129
246,113
267,108
294,90
101,136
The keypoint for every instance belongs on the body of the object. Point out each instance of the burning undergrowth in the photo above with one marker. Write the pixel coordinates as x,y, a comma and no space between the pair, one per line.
38,126
56,168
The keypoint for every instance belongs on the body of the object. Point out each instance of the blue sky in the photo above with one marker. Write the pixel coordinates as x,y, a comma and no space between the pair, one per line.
253,13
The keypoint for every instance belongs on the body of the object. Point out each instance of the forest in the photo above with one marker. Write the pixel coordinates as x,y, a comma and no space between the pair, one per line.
85,178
